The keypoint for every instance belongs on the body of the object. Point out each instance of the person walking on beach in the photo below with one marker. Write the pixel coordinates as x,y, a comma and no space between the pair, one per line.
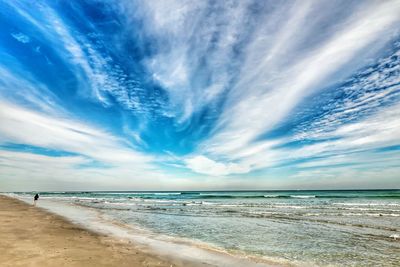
35,199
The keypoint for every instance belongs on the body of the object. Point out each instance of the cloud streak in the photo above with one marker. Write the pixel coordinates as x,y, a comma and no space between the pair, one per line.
20,37
258,110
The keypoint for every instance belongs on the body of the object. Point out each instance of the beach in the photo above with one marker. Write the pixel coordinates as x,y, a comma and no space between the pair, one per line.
59,233
200,228
200,133
31,236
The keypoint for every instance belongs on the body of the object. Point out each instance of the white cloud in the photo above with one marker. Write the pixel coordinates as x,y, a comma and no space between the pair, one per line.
264,61
26,89
204,165
22,171
195,45
97,73
346,178
274,70
267,91
60,133
20,37
124,168
257,104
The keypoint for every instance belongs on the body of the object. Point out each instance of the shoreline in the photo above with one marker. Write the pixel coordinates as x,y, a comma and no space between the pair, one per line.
32,236
113,246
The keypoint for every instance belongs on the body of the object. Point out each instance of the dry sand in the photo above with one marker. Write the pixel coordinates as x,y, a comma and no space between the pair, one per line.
30,236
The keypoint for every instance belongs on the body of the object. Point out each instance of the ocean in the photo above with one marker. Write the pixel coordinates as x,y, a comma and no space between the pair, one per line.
305,228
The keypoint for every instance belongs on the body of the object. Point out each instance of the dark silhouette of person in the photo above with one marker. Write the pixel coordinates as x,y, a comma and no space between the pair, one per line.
35,199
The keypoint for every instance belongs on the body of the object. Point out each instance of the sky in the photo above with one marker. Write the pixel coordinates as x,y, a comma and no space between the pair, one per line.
199,95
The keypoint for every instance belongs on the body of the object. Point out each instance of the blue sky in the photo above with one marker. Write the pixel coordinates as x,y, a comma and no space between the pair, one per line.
175,95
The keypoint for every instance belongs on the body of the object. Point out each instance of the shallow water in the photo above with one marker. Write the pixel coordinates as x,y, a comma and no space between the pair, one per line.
351,228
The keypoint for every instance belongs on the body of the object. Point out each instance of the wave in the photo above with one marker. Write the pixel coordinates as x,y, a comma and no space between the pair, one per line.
290,196
168,194
228,196
177,195
232,196
366,204
140,193
299,196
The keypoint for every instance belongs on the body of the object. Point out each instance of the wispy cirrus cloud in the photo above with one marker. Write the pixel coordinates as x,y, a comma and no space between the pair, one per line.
99,75
364,118
254,112
90,157
27,90
20,37
64,134
196,47
267,70
271,94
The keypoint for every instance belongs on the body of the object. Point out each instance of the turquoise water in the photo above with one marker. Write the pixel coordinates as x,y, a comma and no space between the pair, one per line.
340,228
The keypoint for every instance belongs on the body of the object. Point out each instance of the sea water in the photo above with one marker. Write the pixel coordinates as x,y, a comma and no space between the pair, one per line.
336,228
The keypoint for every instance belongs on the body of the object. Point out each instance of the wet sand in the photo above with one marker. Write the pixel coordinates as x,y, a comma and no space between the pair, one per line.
31,236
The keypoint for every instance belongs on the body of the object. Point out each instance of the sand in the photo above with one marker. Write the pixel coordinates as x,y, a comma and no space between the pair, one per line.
31,236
